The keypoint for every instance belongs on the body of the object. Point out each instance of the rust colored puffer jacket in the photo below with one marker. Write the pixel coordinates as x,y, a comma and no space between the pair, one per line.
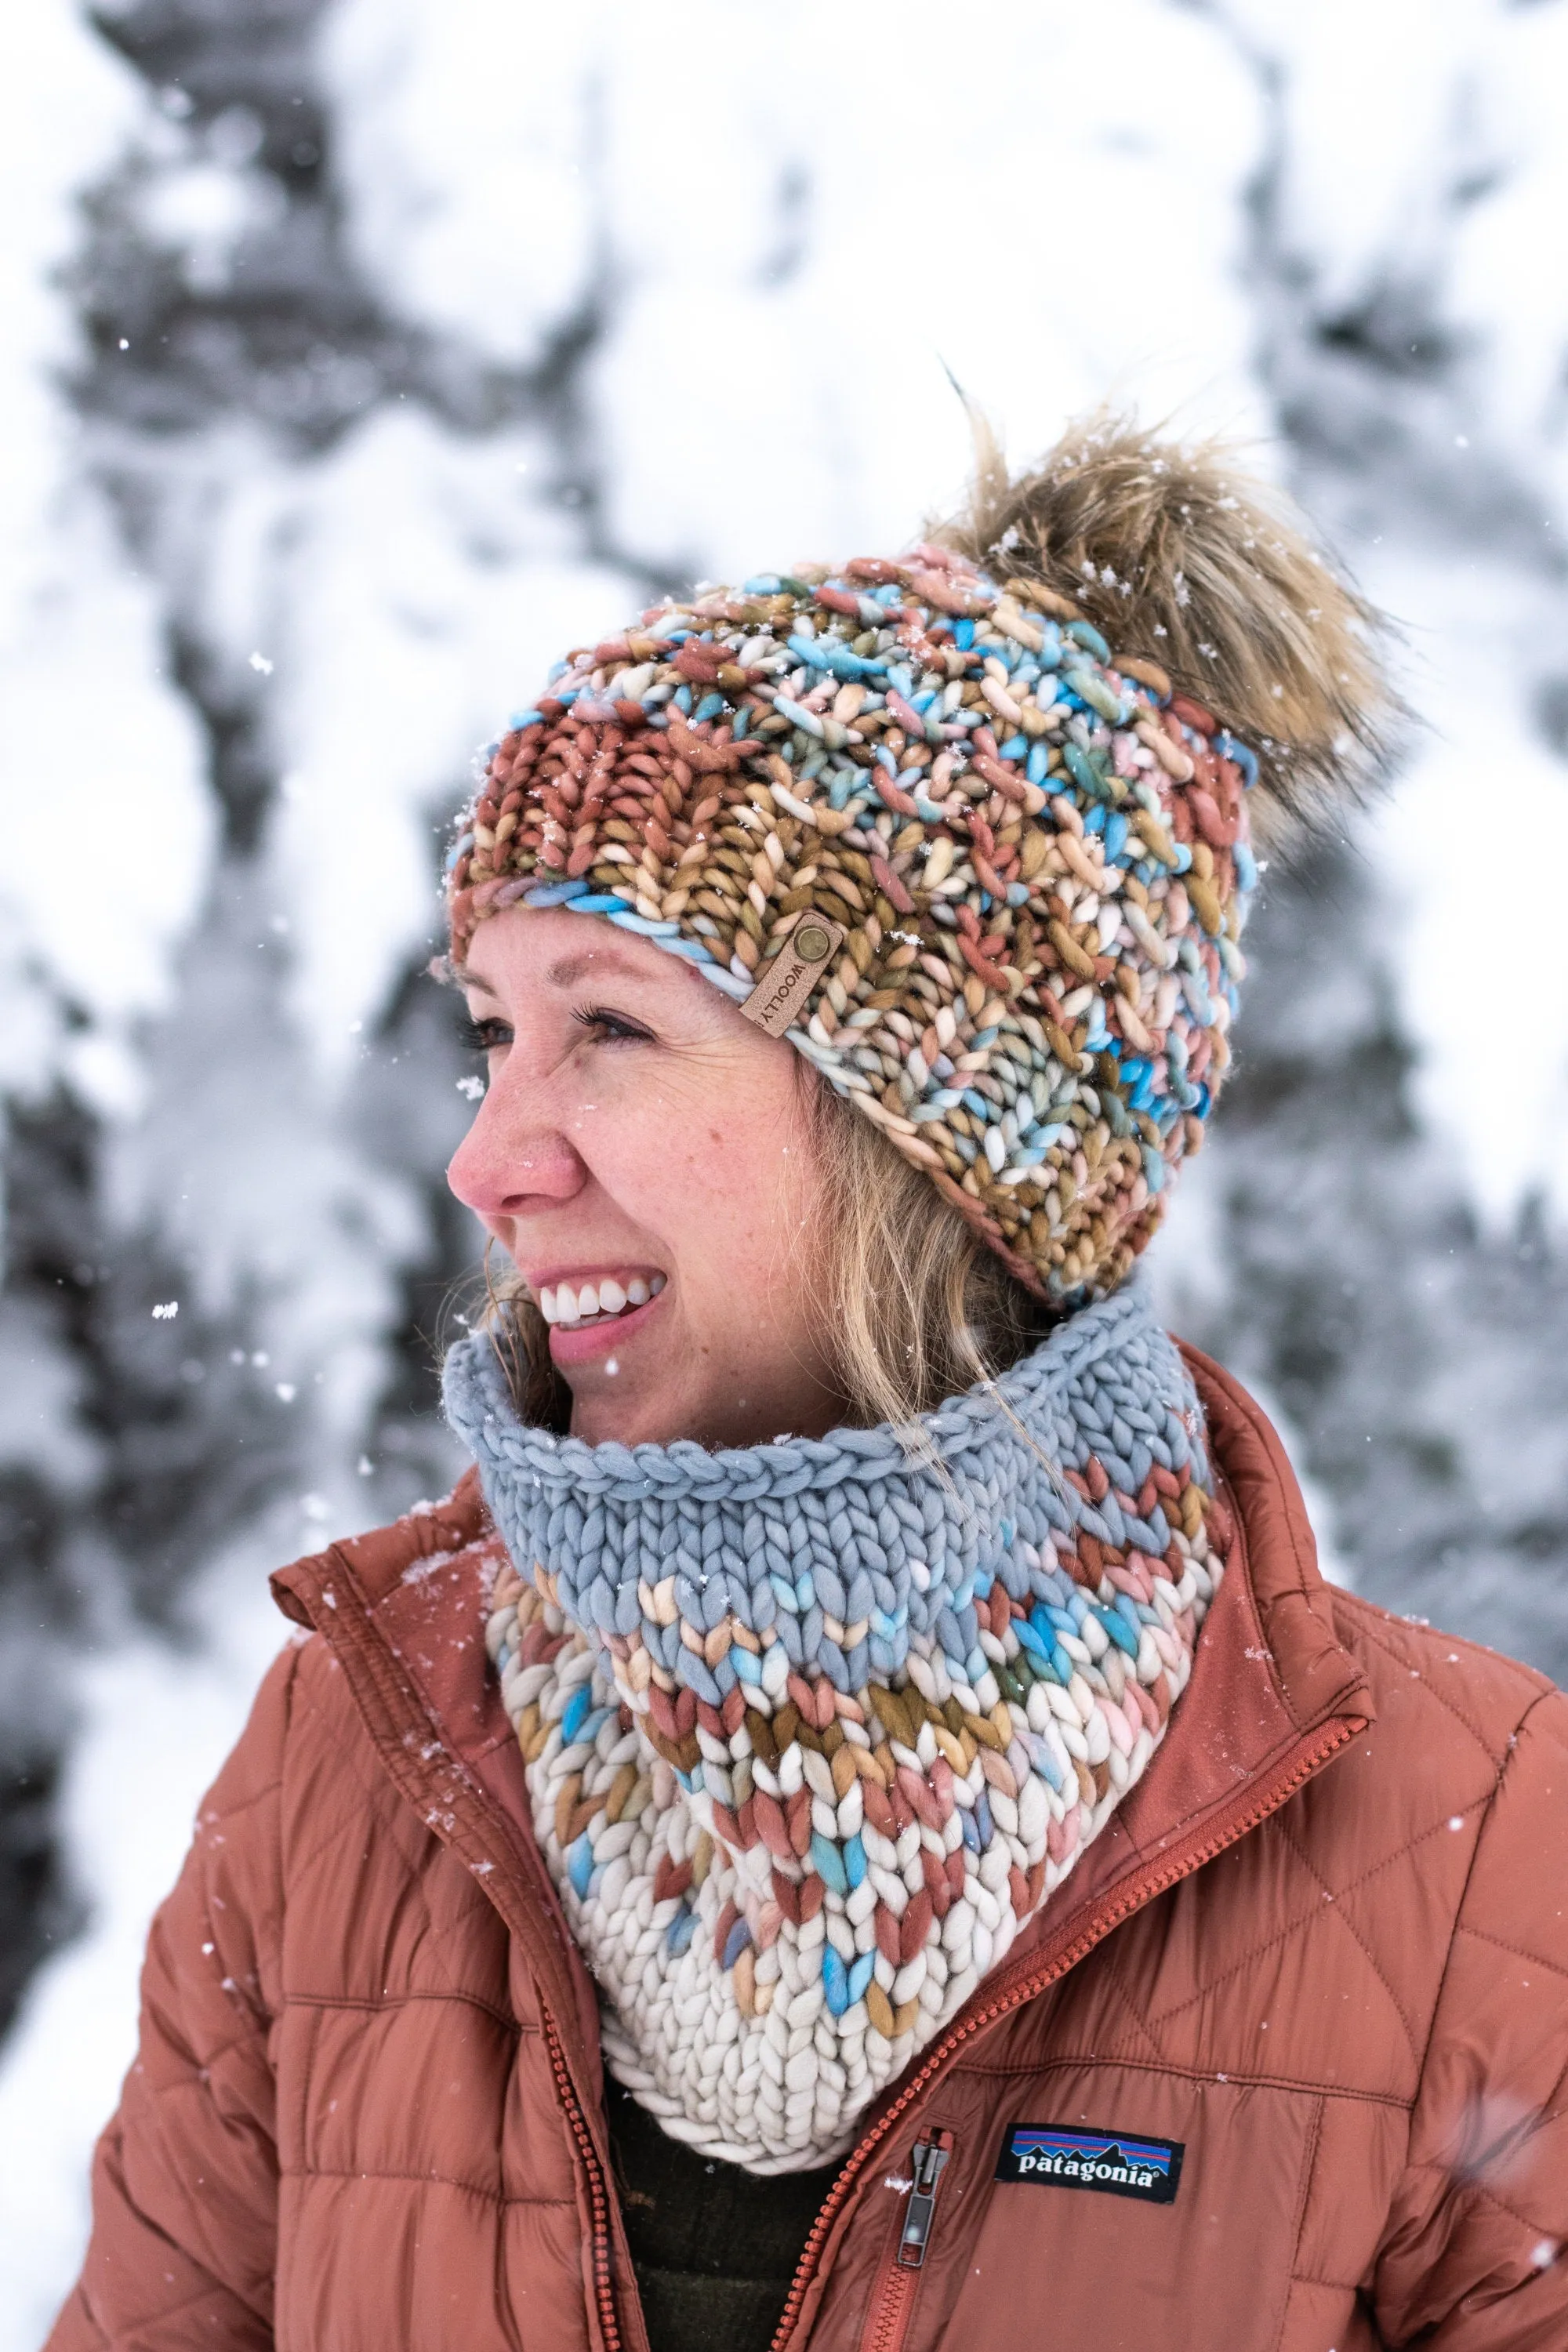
1322,1947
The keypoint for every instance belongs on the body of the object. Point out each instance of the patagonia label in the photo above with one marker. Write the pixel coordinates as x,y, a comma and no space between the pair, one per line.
1124,2164
789,979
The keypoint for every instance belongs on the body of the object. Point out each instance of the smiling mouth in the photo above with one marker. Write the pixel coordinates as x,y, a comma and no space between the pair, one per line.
578,1306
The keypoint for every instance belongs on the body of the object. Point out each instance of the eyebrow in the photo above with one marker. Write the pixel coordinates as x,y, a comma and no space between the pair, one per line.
573,968
563,974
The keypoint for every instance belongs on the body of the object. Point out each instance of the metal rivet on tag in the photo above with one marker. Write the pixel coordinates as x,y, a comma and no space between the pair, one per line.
789,979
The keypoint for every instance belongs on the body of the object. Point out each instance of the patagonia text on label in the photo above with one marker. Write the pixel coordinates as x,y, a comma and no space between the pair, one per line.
1122,2164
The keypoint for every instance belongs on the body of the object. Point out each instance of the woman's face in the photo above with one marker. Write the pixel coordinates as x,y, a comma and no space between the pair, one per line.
644,1155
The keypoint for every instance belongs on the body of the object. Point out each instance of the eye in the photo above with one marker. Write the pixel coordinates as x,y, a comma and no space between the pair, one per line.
483,1036
611,1028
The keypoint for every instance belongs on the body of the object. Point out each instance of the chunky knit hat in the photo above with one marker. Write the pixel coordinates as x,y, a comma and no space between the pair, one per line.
977,840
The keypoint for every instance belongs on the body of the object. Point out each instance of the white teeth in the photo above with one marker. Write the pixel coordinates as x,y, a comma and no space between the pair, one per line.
569,1304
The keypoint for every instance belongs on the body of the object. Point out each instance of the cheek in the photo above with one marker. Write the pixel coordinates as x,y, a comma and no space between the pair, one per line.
721,1185
659,1156
752,1191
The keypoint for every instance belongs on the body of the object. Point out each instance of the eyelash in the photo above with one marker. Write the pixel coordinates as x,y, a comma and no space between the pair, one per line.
485,1036
475,1036
618,1028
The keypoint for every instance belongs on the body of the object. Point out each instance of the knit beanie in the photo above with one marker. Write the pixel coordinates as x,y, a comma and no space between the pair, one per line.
972,826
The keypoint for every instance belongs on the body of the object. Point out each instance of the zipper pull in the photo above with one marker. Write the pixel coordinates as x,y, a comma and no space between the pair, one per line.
930,2159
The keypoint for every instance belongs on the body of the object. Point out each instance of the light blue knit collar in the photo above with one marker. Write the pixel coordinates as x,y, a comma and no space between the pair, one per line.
849,1543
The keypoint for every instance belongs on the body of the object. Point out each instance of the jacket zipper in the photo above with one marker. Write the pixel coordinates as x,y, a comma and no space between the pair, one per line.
598,2196
895,2296
1133,1898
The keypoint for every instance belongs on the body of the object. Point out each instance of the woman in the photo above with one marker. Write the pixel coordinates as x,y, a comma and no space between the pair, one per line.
860,1825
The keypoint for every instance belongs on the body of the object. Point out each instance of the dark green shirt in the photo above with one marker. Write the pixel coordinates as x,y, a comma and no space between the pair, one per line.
714,2248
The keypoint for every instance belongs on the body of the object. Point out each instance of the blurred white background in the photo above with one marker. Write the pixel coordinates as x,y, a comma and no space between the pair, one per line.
362,354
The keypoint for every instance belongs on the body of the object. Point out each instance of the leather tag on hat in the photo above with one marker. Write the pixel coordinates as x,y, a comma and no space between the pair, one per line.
789,978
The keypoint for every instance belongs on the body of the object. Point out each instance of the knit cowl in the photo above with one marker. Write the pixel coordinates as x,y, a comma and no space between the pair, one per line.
812,1729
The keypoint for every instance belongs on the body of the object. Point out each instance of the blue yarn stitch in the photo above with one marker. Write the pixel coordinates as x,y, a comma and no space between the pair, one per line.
788,1536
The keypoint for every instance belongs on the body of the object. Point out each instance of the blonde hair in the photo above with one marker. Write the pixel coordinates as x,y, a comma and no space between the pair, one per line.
918,1306
921,1307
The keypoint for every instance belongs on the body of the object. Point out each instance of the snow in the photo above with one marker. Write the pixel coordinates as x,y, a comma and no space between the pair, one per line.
1362,179
103,816
203,211
464,140
762,215
422,582
401,585
594,310
1474,847
1446,206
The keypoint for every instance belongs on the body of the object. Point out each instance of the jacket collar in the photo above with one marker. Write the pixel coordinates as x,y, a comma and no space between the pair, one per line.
402,1610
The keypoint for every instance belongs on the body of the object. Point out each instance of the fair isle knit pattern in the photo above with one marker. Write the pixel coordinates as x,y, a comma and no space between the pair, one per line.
810,1728
1036,854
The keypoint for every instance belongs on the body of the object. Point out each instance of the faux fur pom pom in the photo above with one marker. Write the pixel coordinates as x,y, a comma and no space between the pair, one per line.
1178,555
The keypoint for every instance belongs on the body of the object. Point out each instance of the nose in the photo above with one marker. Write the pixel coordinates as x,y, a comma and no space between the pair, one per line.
514,1157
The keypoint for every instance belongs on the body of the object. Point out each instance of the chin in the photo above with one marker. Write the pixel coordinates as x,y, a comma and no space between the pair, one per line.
601,1419
601,1415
